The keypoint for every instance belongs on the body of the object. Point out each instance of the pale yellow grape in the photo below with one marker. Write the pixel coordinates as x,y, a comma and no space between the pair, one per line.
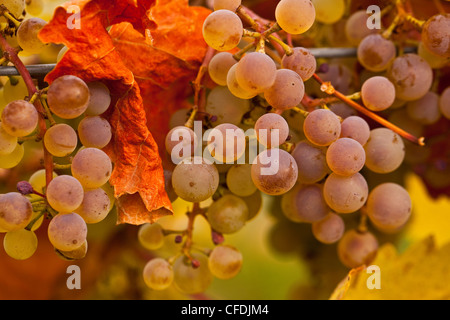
239,180
225,262
311,162
254,204
100,99
68,97
195,179
2,100
94,132
435,35
219,66
76,254
376,53
37,224
330,229
411,75
357,248
158,274
12,159
20,244
345,194
15,211
272,130
226,143
228,214
180,143
306,203
192,280
65,193
301,61
356,128
346,156
34,7
426,109
38,182
256,72
7,142
356,27
27,35
92,167
225,106
295,16
322,127
151,236
385,151
389,207
444,103
435,61
274,171
329,11
19,118
16,7
222,30
95,206
231,5
60,140
287,91
16,90
378,93
67,231
109,189
235,87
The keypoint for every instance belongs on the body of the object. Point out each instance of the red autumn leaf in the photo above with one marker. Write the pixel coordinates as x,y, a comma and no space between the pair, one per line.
147,77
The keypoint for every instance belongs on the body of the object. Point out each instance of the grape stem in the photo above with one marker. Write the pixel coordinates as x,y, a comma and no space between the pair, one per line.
11,54
190,229
7,14
326,87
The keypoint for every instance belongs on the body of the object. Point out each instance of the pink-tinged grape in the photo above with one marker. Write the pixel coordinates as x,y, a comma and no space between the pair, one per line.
345,194
68,97
219,66
256,72
435,35
226,143
180,143
100,99
356,128
444,103
411,75
192,280
27,35
158,274
225,262
274,171
194,179
385,151
389,207
311,162
329,11
295,16
301,61
65,193
239,180
254,204
95,206
346,156
92,167
15,211
357,248
20,244
356,27
226,107
341,76
19,118
330,229
76,254
67,231
343,110
12,159
287,91
60,140
435,62
151,236
375,53
305,203
228,214
235,87
322,127
378,93
272,130
222,30
7,142
426,109
94,132
231,5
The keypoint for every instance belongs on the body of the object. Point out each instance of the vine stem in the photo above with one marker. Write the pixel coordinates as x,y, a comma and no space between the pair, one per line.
190,228
331,91
11,54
